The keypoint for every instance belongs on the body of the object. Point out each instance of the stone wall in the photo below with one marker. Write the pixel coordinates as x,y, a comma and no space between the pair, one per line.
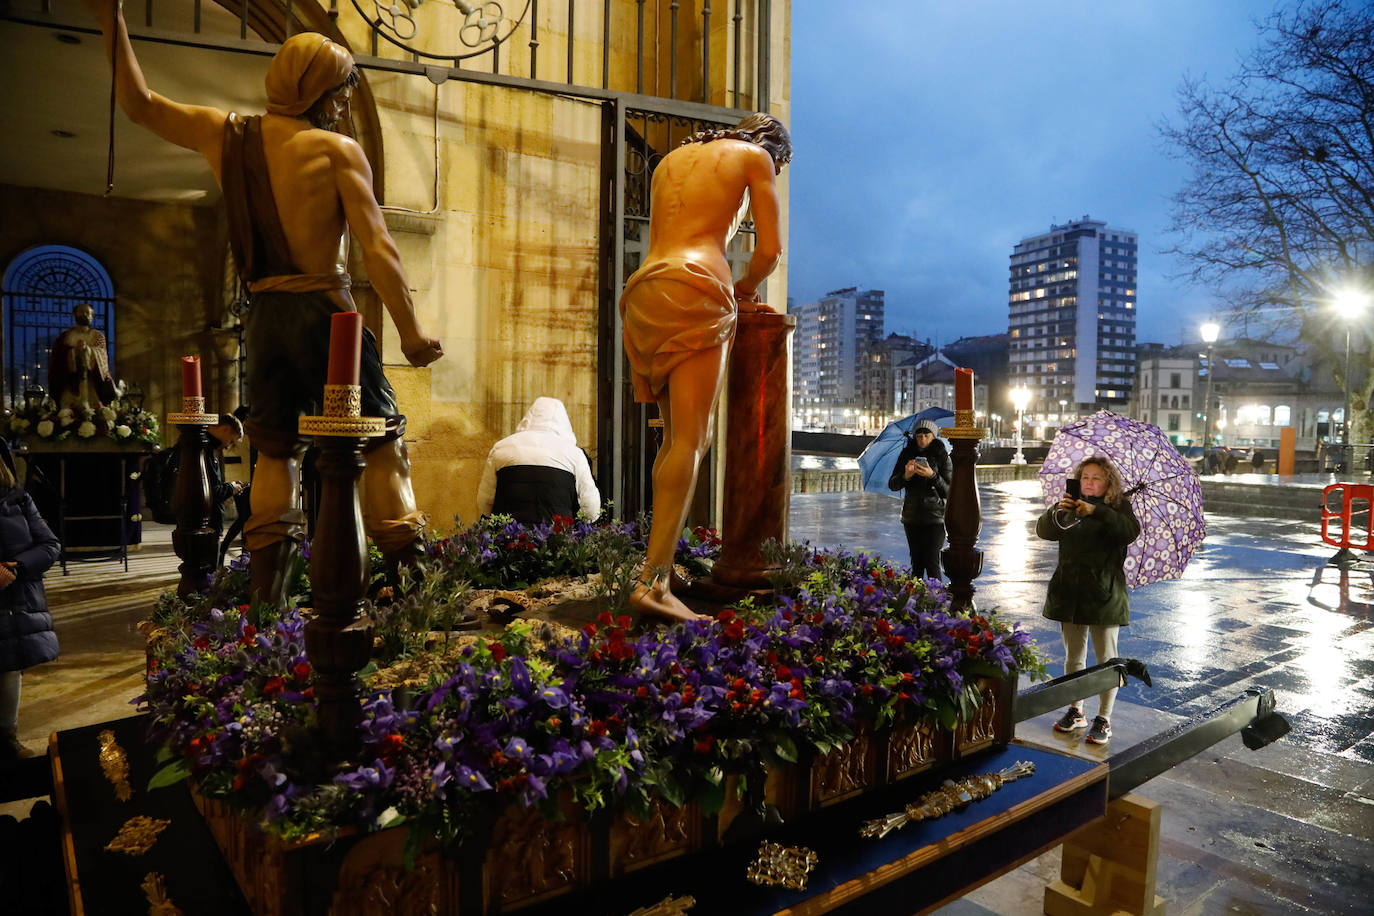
166,262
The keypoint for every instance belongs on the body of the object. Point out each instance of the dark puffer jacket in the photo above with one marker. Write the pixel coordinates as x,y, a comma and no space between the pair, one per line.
26,633
1089,584
924,503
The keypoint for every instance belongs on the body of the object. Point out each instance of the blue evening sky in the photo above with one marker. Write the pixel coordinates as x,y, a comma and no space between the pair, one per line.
932,135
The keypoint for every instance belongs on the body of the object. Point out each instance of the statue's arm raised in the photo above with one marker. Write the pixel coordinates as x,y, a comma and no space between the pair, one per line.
195,127
353,176
763,203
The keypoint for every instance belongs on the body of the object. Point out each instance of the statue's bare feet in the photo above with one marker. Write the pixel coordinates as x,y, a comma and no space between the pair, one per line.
653,601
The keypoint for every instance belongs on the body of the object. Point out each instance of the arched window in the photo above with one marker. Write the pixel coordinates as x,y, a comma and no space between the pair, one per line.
41,287
1283,415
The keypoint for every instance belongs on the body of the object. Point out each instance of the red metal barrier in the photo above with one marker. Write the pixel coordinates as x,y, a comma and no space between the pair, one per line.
1342,510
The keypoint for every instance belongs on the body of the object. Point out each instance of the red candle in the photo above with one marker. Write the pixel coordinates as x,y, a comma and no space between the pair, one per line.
963,389
345,348
190,377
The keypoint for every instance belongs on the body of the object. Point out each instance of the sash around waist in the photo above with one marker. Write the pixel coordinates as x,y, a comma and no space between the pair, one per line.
301,283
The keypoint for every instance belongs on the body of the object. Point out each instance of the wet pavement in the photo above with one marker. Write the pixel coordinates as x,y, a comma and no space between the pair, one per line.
1286,829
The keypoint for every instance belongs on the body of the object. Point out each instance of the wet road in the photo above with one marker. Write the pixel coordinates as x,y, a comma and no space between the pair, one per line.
1256,606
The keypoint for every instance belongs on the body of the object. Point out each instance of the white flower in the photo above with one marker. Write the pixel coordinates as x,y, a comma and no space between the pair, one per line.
108,413
65,415
18,424
86,429
123,431
45,428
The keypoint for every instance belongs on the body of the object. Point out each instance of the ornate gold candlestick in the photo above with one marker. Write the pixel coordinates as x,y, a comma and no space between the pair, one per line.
963,516
338,640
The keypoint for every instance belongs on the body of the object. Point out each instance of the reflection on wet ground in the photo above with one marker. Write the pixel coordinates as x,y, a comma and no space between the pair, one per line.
1284,829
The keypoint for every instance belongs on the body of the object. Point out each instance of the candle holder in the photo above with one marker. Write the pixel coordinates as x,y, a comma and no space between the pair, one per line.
194,539
338,640
963,562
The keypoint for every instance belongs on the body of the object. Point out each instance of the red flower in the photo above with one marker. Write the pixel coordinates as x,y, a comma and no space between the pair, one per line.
734,632
726,615
866,690
498,651
605,619
273,687
641,692
389,744
896,641
589,629
301,671
784,673
202,643
883,627
868,589
704,745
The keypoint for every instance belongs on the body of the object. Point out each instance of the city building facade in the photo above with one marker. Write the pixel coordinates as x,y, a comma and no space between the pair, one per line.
837,359
1072,317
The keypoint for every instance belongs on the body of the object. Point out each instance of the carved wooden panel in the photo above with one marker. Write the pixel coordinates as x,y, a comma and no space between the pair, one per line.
531,858
981,731
665,833
915,748
373,879
847,770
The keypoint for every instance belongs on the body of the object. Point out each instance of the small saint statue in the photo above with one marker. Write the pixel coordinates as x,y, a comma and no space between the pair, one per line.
79,364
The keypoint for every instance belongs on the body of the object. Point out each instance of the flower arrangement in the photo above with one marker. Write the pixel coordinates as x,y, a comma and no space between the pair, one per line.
119,420
613,715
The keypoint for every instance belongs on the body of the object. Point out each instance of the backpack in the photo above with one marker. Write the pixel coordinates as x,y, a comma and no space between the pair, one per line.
160,485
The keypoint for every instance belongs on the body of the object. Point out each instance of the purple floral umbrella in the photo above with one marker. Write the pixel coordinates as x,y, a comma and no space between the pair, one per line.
1163,490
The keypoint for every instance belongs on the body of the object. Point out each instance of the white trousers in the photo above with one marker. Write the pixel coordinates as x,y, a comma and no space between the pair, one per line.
1076,656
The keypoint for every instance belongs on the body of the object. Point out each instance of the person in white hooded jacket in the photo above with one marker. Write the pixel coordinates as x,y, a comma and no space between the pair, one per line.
538,471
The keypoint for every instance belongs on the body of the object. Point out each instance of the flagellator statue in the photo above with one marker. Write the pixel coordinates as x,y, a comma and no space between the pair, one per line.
293,187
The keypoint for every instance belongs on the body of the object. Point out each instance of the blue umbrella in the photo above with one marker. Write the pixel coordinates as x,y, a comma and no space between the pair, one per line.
880,458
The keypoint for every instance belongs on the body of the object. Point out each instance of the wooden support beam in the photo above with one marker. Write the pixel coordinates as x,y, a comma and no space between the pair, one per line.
1108,867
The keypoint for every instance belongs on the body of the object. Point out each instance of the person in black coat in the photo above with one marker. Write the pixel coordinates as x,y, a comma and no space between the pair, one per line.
924,470
27,549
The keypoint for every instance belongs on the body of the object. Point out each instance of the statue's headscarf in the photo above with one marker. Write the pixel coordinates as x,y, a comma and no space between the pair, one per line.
306,67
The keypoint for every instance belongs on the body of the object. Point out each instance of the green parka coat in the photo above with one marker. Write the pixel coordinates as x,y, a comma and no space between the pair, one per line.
1089,584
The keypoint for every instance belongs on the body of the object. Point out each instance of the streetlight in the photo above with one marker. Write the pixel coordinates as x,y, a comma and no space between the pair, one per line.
1210,331
1350,304
1020,397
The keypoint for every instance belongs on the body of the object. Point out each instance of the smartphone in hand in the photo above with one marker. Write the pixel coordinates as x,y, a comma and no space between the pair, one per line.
1074,488
922,463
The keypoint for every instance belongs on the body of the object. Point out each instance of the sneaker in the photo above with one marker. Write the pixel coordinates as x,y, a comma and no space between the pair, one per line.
1101,732
1071,721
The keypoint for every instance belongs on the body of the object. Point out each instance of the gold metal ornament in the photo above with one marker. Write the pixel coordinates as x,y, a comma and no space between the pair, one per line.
155,889
949,796
114,763
668,906
786,866
343,400
138,835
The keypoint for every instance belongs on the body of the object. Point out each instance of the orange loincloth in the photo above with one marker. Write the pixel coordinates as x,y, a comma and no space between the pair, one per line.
671,310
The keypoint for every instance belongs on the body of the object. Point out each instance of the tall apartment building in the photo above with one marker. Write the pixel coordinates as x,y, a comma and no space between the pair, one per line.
1072,316
837,341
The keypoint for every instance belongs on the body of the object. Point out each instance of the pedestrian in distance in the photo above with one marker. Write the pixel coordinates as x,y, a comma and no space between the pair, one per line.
1257,461
1094,525
27,549
924,470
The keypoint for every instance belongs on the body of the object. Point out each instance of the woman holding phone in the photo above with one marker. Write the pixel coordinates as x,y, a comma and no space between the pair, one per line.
924,470
1093,524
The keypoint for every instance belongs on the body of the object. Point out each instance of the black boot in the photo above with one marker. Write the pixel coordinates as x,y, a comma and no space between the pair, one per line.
11,749
270,574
